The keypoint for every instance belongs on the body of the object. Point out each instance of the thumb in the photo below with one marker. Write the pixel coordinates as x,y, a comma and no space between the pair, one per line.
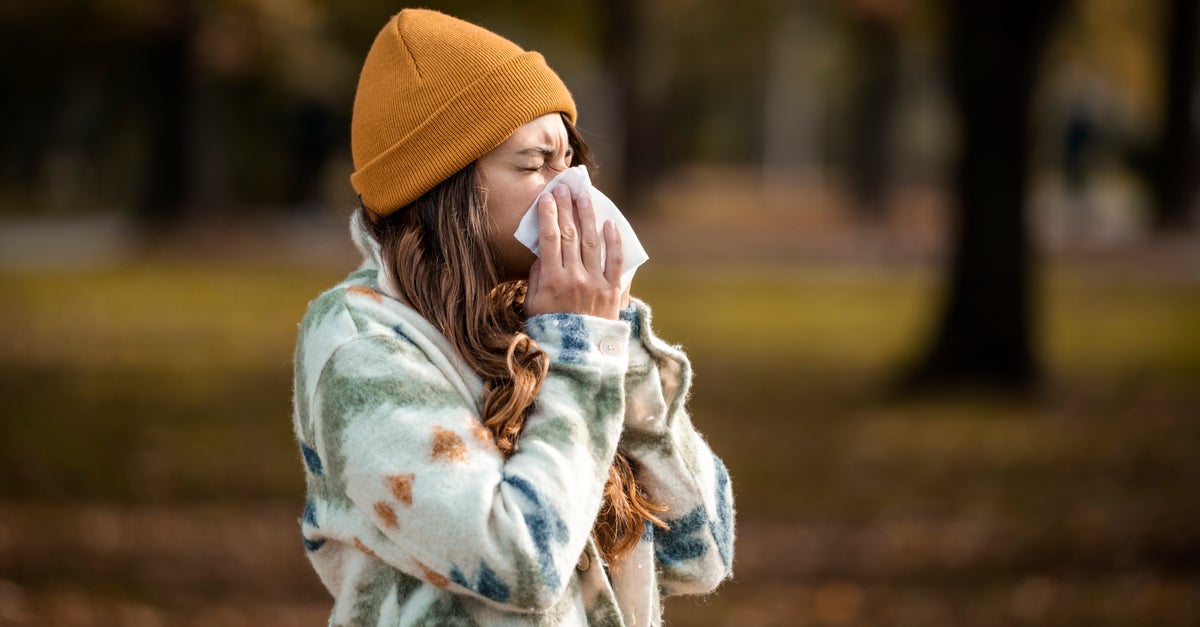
535,271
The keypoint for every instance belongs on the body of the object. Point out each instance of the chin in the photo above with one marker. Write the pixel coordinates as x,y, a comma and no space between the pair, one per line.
518,269
516,273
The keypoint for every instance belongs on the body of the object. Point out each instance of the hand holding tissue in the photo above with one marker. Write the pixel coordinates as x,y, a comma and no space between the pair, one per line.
577,180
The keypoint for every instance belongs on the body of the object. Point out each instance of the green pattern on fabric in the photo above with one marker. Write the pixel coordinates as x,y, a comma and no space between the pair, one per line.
364,276
529,577
358,395
331,487
324,306
303,418
344,398
607,402
558,612
675,574
690,453
556,431
372,592
346,395
406,586
447,611
604,612
644,443
637,377
376,349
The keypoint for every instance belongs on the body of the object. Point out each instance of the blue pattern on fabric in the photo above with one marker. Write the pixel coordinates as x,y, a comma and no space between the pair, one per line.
723,529
571,330
544,524
676,544
630,315
312,460
459,578
310,512
647,530
575,339
310,517
313,545
489,584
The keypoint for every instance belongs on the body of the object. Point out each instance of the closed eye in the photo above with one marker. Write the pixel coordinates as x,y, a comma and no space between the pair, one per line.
547,155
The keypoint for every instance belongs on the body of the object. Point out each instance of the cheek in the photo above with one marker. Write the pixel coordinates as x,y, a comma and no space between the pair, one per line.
508,204
499,217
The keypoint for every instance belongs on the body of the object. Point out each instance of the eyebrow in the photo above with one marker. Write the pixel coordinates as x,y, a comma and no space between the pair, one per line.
544,151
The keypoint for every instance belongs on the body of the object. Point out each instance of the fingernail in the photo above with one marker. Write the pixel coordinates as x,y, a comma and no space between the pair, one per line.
584,201
561,190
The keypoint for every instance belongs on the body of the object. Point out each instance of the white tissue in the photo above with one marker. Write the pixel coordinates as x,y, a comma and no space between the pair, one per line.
577,180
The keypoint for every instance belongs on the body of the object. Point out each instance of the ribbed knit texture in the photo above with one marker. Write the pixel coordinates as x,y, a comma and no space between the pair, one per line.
435,94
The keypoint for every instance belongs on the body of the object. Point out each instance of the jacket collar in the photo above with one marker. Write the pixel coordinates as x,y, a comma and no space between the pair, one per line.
372,255
419,330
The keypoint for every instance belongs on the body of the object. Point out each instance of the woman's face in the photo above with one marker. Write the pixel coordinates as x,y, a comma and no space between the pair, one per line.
514,173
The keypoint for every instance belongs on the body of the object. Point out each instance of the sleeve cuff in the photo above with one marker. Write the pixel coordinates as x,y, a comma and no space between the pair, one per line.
581,340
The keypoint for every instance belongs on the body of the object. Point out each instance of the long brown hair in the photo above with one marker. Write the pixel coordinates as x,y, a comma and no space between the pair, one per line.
440,255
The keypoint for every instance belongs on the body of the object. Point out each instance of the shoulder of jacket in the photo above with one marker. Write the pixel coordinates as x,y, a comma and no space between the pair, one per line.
339,316
361,303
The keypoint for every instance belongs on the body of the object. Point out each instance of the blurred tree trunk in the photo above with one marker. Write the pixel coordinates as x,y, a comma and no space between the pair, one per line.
875,101
1179,153
166,60
985,333
792,112
622,37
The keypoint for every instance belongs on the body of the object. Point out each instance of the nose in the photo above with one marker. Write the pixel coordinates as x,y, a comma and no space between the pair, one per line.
561,162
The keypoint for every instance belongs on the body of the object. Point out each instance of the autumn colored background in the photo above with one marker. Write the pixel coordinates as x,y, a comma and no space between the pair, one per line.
936,263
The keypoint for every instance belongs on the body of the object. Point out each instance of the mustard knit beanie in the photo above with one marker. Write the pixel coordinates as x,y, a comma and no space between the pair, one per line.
436,93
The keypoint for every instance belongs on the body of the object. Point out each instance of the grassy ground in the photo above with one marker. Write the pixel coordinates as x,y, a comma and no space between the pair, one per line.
148,474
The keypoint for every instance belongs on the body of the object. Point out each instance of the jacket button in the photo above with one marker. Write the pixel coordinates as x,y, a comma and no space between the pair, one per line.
609,346
585,562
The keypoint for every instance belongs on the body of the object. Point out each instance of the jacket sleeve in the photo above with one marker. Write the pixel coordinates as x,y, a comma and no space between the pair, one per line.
675,465
433,497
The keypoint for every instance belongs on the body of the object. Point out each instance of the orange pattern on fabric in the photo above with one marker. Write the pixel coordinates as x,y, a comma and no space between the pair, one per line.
401,486
365,291
362,547
448,446
386,512
483,435
434,578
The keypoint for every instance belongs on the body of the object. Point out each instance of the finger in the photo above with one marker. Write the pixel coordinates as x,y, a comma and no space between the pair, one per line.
548,235
615,259
568,231
589,237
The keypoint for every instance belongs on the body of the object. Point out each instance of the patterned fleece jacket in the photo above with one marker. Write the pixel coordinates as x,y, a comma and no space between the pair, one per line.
413,517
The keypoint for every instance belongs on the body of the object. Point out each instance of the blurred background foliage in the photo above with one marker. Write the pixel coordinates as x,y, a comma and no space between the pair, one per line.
194,109
935,261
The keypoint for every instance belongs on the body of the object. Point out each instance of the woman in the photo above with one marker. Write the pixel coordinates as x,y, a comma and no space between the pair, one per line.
491,438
